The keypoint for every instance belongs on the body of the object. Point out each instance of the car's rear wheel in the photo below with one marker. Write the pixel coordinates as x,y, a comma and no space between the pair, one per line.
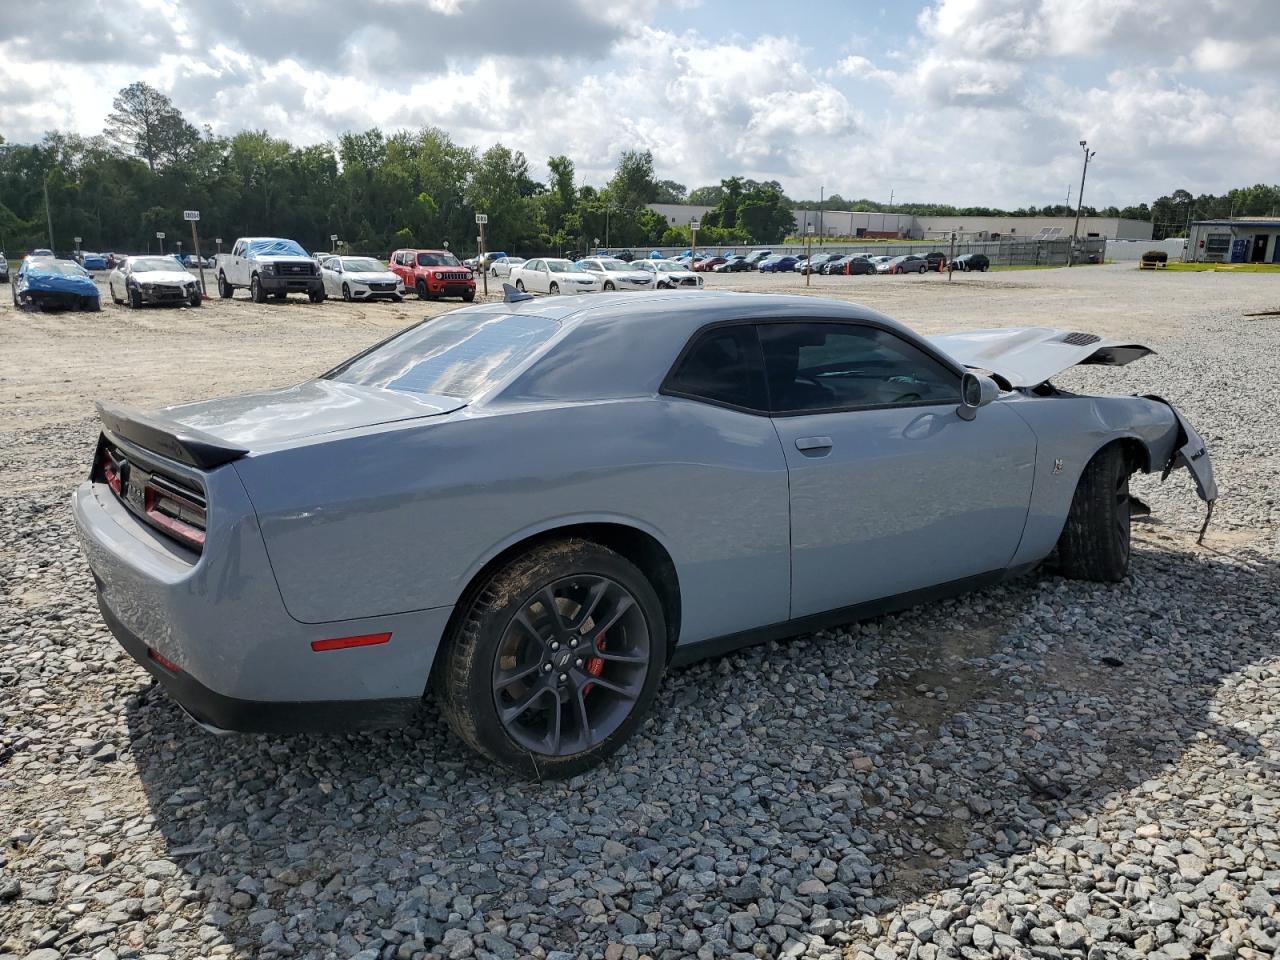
1094,544
225,290
556,659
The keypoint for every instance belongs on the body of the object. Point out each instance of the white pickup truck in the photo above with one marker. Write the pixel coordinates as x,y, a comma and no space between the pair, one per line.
268,265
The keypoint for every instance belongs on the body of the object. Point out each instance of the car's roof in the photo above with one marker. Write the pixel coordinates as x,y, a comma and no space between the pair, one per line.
622,345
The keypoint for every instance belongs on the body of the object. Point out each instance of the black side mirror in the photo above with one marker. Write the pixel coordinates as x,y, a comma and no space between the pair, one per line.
976,391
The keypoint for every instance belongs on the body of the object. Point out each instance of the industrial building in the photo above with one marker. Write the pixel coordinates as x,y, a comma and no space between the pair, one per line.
906,226
1235,240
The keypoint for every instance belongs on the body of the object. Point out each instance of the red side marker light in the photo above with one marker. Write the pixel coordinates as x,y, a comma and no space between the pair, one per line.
163,661
345,643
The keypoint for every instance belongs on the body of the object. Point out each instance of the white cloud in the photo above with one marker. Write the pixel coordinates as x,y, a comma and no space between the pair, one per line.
983,102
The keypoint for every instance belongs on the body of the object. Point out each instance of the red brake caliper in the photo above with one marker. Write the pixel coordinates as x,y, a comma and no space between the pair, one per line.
594,666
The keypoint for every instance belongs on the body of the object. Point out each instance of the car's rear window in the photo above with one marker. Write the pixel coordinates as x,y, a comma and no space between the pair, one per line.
459,356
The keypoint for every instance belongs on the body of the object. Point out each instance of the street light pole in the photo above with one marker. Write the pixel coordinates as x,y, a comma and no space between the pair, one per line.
1075,231
48,215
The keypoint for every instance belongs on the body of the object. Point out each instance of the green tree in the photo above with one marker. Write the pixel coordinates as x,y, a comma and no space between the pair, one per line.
145,122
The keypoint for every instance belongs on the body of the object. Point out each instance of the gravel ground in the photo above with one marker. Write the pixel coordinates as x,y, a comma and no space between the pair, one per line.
1043,769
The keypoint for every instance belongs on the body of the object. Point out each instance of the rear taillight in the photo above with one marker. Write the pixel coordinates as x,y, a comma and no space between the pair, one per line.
175,510
110,467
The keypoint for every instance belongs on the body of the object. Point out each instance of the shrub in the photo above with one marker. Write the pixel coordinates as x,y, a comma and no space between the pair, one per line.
1155,256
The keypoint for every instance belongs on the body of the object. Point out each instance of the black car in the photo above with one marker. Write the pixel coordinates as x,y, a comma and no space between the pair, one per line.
736,264
972,261
937,259
626,256
852,265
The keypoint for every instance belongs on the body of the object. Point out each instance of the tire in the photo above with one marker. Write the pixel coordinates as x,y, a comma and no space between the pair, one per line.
284,296
225,290
468,296
256,293
112,290
493,272
346,293
608,286
488,640
316,296
1094,544
396,298
195,300
554,288
420,288
520,286
93,306
135,300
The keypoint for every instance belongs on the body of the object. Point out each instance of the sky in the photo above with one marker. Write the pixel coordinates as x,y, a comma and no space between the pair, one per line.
970,102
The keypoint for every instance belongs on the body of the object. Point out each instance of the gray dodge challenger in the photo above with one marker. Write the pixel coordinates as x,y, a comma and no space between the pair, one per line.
527,510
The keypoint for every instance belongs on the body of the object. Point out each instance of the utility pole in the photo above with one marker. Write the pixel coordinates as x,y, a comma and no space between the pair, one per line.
481,220
822,195
1075,231
48,215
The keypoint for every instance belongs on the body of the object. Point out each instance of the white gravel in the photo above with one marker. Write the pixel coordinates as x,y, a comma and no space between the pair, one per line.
1043,769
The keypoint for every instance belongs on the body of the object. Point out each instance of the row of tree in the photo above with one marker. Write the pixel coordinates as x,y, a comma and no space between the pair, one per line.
411,188
375,191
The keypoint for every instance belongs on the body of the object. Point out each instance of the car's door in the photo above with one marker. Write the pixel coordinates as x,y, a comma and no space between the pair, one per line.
331,274
536,276
891,491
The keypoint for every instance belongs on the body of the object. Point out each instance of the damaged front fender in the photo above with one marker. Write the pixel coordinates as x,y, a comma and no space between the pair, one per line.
1190,451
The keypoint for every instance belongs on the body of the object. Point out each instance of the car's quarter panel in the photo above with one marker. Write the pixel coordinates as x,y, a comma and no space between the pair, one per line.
1070,430
218,614
401,518
903,498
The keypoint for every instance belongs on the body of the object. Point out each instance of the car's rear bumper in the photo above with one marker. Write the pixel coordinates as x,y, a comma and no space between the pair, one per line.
240,661
222,713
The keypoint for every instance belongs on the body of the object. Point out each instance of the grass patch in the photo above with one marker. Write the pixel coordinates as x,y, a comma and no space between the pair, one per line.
1223,267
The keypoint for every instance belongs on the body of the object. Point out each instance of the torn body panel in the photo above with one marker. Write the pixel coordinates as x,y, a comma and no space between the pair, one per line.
1028,356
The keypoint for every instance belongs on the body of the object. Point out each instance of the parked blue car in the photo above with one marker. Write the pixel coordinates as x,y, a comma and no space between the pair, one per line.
93,261
427,516
783,264
53,284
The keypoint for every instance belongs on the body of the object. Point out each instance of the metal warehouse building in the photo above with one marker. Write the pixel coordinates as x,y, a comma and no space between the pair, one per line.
1236,240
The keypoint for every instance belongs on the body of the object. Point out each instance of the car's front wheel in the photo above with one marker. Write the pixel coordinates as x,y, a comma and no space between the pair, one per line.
1094,544
256,293
555,660
608,285
346,292
520,285
554,288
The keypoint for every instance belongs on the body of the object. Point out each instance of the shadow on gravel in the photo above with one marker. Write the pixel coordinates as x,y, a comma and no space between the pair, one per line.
783,791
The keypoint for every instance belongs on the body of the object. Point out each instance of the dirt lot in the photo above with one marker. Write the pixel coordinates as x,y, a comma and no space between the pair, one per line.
1046,768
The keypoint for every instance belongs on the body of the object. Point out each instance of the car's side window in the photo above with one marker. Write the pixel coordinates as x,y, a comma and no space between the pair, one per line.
817,366
723,366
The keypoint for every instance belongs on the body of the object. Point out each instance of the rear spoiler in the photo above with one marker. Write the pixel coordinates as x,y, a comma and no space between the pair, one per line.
168,438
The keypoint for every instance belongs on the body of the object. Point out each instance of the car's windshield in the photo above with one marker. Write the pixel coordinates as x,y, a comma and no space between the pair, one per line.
275,248
667,267
616,266
362,265
563,266
438,260
64,267
459,356
152,264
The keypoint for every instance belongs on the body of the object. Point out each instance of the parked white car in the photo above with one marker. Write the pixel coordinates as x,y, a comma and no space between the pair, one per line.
553,275
501,267
667,274
360,278
141,280
617,274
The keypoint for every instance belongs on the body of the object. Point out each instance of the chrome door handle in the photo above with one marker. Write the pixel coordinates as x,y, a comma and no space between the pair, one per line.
813,443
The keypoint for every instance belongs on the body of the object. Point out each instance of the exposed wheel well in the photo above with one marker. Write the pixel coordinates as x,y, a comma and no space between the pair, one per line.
1136,453
637,546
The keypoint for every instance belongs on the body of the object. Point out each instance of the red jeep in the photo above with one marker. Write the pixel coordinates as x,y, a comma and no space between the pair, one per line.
434,273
